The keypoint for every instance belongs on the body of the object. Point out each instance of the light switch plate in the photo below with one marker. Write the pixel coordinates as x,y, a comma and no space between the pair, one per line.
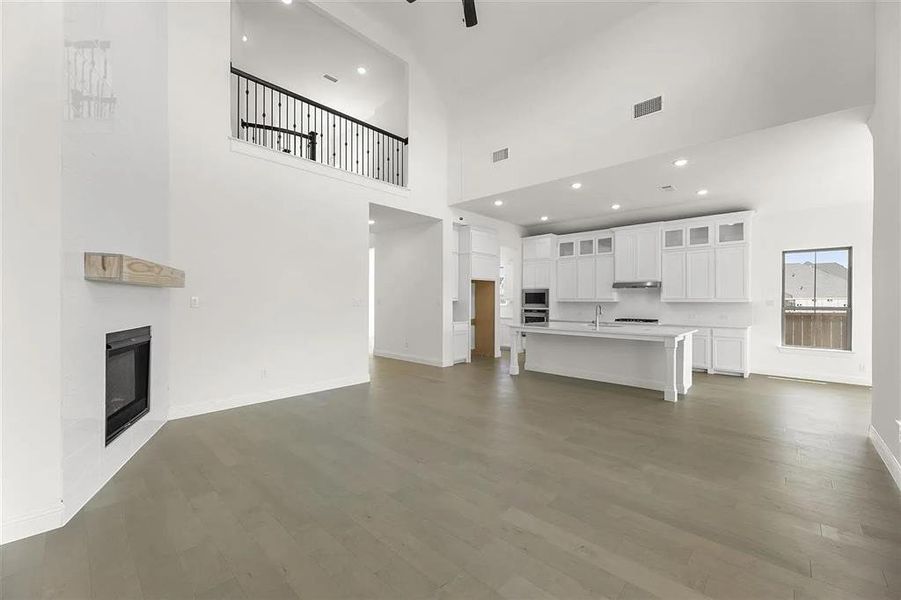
195,301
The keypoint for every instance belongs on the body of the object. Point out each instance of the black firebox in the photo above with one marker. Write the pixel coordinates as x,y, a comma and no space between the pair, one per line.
127,379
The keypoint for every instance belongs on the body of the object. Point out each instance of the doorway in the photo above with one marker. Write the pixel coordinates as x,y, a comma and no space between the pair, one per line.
483,318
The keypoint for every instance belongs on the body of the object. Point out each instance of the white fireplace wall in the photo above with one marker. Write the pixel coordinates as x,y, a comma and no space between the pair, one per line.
115,188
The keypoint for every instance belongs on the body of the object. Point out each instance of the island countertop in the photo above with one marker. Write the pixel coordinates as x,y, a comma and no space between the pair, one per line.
656,357
625,331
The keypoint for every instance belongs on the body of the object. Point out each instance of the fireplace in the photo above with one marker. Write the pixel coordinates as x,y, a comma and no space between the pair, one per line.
127,379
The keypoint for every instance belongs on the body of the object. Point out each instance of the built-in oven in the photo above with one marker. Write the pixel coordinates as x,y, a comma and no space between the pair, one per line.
535,298
534,316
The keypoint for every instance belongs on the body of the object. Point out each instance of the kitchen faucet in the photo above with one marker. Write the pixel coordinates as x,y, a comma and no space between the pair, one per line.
598,312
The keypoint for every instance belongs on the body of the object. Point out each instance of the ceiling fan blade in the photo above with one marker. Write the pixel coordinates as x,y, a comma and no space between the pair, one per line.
469,13
411,1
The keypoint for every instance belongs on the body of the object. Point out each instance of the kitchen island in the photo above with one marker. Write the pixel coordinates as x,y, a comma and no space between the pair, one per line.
655,357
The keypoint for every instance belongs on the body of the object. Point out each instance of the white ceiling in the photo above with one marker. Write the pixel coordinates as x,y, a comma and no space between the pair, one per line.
510,36
820,161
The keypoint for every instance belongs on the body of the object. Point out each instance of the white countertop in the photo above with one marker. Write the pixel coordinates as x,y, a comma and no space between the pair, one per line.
609,330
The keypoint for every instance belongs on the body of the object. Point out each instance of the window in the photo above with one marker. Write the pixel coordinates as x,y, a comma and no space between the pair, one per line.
816,298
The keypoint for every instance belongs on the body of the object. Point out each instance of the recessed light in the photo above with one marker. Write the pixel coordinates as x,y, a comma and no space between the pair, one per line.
361,70
615,207
576,185
372,221
244,38
702,192
498,202
680,162
287,1
544,218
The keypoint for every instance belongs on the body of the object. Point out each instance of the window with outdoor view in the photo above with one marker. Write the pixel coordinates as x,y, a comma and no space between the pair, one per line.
816,298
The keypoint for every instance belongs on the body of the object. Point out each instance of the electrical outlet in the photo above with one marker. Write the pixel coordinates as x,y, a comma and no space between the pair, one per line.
264,374
195,301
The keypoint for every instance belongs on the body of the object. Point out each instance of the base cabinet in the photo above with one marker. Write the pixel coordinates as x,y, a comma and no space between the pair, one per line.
700,350
729,351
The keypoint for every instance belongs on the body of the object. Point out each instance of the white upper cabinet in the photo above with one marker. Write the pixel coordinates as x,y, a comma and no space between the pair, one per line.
567,280
604,243
731,232
603,278
732,273
673,237
699,235
540,247
536,274
637,254
566,248
586,247
585,274
700,272
673,276
714,263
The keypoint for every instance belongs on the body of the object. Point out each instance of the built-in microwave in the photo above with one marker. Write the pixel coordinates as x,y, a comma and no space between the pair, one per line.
535,298
534,317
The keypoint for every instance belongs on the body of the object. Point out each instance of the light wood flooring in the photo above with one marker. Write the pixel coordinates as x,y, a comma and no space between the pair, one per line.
467,483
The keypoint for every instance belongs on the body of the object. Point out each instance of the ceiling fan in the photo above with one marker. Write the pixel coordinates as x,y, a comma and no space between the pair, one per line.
469,12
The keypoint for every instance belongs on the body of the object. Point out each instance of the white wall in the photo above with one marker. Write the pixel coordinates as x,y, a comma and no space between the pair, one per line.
115,198
848,225
408,293
30,500
885,124
275,248
724,68
773,231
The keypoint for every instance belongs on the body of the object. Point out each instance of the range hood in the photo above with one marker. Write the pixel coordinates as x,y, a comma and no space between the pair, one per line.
639,285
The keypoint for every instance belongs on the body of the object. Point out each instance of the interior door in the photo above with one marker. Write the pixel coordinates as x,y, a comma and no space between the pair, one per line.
483,320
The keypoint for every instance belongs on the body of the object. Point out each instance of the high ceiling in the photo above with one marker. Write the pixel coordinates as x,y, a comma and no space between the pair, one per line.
510,35
820,161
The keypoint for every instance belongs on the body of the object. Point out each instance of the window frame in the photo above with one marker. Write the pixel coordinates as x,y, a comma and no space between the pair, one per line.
849,310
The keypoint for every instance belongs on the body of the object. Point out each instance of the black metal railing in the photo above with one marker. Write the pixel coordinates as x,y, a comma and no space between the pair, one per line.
272,116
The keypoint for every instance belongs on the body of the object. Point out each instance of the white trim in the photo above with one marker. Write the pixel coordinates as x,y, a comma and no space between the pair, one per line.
31,523
215,405
815,376
268,154
817,351
432,362
890,460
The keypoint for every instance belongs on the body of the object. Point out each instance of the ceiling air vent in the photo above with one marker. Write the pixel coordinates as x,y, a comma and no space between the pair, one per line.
331,78
499,155
667,188
647,107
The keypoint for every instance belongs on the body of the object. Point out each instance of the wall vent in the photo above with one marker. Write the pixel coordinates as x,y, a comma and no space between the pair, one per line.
667,188
499,155
647,107
331,78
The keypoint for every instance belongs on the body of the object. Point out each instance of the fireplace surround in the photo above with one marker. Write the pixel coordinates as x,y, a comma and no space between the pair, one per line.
127,379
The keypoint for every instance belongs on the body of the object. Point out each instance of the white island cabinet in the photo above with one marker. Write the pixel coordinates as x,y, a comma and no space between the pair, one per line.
655,357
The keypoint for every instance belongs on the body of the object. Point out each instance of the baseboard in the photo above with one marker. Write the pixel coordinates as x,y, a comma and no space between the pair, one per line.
827,377
410,358
31,524
890,460
202,408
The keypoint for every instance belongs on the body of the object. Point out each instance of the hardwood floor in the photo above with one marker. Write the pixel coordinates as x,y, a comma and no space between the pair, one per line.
467,483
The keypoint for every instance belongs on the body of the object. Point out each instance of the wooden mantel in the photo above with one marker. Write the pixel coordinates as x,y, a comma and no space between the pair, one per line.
128,270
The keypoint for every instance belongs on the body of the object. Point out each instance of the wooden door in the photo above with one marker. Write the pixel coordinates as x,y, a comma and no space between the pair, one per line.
483,321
